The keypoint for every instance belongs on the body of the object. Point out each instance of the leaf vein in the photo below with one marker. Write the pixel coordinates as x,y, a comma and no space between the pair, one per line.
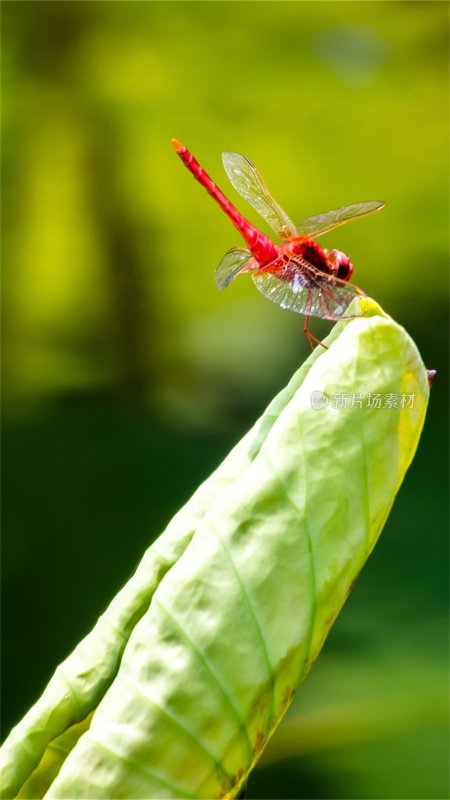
309,549
148,773
256,622
198,740
208,667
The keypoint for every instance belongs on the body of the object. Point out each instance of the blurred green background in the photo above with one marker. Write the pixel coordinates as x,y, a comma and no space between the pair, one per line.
128,376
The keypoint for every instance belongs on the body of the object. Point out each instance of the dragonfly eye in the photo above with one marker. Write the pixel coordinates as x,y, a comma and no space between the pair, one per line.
344,267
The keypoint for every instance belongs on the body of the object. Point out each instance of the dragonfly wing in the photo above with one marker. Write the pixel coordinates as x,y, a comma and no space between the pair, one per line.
232,263
248,182
307,291
322,223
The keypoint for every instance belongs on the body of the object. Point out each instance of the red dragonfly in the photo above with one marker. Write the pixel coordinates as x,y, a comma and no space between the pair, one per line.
298,274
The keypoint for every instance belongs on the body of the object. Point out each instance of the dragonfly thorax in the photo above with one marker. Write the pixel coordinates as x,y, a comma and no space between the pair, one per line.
330,262
310,251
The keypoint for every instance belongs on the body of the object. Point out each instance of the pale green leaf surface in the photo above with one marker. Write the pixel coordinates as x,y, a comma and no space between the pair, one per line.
231,605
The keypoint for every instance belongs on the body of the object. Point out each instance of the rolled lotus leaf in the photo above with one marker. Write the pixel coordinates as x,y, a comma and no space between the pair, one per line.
176,691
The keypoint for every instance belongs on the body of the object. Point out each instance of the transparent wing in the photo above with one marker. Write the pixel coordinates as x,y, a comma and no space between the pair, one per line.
306,290
322,223
248,182
232,263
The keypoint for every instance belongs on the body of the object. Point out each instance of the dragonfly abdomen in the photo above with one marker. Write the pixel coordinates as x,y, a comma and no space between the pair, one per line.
260,246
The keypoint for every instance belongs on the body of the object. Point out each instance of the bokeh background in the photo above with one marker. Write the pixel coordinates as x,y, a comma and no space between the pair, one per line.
127,376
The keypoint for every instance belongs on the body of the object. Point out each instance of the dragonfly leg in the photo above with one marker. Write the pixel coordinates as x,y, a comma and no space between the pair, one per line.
310,338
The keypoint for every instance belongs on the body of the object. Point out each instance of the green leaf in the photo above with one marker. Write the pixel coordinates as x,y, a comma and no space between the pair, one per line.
194,664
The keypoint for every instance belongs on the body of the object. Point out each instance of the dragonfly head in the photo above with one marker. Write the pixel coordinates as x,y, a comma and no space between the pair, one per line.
341,265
